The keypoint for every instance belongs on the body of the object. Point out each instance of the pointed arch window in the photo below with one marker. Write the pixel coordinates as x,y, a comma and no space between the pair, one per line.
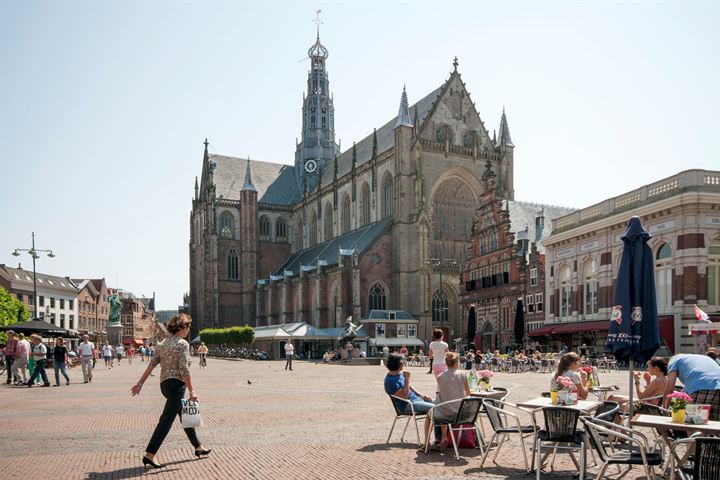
439,307
281,230
345,215
388,196
663,277
365,205
264,228
227,225
328,221
232,264
313,228
377,298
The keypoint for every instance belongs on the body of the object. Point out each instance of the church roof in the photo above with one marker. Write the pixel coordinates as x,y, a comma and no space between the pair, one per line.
327,252
275,183
522,215
385,139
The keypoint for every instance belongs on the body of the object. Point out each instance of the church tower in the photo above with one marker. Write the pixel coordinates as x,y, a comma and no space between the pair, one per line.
317,148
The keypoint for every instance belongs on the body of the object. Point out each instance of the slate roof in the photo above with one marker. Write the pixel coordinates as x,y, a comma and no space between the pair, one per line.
275,183
385,139
23,278
327,252
522,214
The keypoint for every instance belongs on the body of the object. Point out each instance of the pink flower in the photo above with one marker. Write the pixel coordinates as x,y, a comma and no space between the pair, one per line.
565,383
681,396
485,375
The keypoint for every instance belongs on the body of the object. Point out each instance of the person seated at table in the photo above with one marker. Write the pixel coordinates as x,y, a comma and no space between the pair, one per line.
397,382
655,382
569,366
700,376
712,352
452,384
469,359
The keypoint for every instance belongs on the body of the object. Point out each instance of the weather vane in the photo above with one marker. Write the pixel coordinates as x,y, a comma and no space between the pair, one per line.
317,21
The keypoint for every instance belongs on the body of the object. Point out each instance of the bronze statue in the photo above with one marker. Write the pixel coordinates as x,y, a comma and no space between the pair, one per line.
115,306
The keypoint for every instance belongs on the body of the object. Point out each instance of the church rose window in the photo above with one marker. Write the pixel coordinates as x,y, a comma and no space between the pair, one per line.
388,196
376,298
264,228
232,265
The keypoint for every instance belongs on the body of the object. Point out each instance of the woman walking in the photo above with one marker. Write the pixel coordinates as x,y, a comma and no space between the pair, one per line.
60,358
173,355
39,352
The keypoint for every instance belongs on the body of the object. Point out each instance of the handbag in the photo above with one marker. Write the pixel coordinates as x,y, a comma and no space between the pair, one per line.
190,414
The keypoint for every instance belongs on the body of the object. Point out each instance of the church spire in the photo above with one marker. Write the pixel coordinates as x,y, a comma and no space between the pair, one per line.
504,133
248,185
403,119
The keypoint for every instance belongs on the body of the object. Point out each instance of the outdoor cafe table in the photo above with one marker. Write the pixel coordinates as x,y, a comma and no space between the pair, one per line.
494,394
663,425
540,402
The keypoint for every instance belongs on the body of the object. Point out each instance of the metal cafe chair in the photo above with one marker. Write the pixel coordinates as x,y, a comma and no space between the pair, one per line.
637,451
400,413
706,459
561,432
505,423
467,413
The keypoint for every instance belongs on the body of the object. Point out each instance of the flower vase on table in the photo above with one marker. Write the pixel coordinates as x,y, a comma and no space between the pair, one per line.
678,404
565,386
554,397
485,376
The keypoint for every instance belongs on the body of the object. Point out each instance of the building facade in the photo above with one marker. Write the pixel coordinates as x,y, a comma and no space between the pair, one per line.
93,307
137,319
682,213
57,296
383,225
505,264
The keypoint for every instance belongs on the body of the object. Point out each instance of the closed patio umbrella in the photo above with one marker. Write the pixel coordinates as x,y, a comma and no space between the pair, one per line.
634,334
519,323
472,325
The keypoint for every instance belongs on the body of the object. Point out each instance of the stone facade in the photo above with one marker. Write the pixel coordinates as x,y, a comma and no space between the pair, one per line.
682,213
137,319
93,307
311,242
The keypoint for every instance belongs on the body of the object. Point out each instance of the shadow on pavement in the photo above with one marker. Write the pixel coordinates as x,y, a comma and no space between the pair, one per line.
381,447
132,472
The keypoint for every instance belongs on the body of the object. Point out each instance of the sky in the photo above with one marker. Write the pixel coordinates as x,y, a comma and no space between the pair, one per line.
105,105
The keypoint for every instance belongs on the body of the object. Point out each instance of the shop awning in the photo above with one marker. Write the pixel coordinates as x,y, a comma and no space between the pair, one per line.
574,327
134,341
396,342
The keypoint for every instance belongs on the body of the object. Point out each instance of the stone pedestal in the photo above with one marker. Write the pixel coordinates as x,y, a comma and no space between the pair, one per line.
114,334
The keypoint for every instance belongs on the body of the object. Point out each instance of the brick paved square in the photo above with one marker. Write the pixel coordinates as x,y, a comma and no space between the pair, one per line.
317,422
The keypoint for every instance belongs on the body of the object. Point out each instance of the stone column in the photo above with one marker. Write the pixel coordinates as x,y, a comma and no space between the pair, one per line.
356,307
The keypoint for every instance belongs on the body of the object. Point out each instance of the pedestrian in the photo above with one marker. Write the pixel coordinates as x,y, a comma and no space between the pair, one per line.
60,358
404,352
386,352
119,353
142,353
86,349
289,352
173,355
700,376
107,354
202,353
39,354
96,356
130,352
438,349
20,373
10,353
349,348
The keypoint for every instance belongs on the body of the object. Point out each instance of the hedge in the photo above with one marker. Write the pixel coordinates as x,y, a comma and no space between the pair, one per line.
229,337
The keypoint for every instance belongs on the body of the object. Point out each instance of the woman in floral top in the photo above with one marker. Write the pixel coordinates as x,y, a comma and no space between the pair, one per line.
173,356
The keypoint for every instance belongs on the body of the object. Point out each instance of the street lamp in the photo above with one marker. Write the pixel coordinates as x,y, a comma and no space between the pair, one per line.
440,264
34,254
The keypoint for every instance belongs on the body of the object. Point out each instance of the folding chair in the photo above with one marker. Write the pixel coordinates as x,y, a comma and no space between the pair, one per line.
505,423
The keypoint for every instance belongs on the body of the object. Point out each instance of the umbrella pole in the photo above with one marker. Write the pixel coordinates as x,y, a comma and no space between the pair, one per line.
630,401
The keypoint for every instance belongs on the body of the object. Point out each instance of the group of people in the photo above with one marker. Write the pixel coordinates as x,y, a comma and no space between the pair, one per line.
25,360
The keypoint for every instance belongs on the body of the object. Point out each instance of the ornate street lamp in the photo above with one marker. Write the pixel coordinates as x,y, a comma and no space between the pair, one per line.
33,252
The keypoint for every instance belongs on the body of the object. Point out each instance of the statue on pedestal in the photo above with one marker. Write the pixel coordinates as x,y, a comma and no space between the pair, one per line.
115,307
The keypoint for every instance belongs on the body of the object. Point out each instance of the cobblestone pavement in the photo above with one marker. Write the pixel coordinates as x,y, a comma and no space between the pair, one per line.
316,422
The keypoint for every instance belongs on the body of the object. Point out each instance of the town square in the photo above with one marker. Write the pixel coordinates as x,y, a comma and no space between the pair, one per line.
360,240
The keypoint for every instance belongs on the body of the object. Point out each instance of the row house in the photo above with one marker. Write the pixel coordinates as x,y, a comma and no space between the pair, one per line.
93,307
137,319
682,213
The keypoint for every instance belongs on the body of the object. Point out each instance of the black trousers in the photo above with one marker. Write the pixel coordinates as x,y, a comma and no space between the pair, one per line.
288,362
8,365
39,372
174,391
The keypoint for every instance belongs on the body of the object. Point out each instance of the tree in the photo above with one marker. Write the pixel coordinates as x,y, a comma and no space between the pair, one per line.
12,311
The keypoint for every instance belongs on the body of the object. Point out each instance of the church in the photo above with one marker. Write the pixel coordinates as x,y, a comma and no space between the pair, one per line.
384,225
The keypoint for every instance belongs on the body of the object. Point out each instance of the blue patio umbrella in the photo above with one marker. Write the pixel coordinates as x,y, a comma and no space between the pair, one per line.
634,334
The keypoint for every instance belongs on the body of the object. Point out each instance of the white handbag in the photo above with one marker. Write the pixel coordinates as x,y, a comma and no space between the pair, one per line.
190,414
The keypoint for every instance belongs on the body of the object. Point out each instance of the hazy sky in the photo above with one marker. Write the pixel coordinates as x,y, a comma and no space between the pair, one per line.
106,105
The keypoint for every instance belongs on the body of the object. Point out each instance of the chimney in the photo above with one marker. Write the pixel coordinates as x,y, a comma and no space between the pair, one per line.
539,225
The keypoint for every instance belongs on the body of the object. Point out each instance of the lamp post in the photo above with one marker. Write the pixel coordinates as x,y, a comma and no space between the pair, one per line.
439,264
33,252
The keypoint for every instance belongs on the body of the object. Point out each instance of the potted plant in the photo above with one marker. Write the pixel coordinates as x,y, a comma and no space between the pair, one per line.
485,376
678,404
563,387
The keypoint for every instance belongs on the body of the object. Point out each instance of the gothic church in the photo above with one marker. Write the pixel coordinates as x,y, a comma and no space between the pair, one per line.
385,224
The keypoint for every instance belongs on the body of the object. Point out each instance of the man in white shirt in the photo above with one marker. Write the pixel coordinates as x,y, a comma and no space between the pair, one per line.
289,352
85,350
119,350
108,352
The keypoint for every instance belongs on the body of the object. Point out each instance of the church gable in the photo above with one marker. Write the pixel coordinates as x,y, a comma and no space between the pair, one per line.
454,119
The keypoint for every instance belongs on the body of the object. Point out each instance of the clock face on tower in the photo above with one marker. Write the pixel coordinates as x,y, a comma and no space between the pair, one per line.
310,166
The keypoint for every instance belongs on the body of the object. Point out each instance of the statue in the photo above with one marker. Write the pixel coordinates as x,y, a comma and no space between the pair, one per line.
350,330
115,306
